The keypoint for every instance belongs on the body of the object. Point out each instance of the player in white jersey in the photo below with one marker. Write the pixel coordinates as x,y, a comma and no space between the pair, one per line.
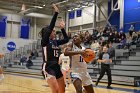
65,61
80,75
1,74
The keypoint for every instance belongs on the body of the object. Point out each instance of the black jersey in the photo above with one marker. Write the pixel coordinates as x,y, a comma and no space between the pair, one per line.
50,48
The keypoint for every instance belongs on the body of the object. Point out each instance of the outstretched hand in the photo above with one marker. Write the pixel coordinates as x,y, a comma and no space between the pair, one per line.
55,8
62,24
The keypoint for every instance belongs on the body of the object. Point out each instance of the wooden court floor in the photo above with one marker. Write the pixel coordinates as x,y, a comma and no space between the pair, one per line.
27,84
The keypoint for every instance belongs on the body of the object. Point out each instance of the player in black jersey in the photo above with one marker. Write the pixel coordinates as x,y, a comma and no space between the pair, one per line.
50,68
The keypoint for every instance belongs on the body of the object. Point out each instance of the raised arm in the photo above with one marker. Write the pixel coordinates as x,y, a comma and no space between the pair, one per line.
52,24
66,38
48,30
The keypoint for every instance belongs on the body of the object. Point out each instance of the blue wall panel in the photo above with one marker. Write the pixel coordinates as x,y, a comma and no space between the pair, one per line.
115,17
3,23
131,14
25,28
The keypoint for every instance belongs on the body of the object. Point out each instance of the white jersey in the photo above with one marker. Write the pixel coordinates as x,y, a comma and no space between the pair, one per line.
78,64
65,62
79,68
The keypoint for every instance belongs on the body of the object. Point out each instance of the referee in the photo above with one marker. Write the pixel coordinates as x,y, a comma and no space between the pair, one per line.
105,60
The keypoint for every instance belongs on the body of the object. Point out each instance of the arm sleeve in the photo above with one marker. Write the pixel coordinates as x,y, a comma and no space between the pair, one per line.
45,38
65,40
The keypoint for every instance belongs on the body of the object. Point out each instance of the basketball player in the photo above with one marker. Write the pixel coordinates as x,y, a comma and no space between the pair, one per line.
105,60
65,61
80,75
50,67
1,74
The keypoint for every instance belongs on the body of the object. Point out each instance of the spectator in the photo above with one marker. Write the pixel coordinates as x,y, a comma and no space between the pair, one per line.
138,36
111,51
122,35
87,39
69,35
23,59
134,38
35,52
111,37
116,37
94,34
95,46
128,42
31,54
131,30
29,62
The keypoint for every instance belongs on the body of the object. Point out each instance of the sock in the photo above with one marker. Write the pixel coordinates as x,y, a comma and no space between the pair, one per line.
1,76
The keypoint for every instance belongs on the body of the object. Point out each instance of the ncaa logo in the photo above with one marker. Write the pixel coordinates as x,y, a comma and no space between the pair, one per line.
11,46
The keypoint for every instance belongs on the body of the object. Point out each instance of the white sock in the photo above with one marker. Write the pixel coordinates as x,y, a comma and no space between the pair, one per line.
1,76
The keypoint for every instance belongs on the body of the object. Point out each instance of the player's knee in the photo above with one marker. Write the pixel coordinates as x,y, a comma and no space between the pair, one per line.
55,90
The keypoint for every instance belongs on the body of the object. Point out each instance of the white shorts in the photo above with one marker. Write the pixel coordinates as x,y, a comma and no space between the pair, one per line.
83,76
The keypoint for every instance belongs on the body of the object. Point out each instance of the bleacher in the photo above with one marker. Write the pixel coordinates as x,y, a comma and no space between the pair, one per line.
125,67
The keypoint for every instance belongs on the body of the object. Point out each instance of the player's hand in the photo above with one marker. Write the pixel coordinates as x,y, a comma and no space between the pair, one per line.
55,8
84,53
62,24
104,60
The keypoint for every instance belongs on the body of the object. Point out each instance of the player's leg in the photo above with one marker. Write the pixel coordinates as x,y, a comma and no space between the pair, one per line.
78,85
52,82
64,74
89,89
69,79
61,85
87,83
60,79
103,70
1,74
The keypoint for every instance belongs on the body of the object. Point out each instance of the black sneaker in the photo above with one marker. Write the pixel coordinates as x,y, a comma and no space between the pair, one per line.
109,87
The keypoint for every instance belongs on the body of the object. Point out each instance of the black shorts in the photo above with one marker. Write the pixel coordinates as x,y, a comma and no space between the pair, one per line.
53,70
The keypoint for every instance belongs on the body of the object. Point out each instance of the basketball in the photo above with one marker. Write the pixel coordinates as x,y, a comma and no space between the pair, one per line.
89,56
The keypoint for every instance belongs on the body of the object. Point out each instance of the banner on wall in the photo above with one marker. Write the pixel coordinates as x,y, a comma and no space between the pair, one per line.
79,13
71,14
3,23
25,28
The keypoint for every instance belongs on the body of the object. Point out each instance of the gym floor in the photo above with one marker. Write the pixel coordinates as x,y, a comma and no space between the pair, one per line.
16,83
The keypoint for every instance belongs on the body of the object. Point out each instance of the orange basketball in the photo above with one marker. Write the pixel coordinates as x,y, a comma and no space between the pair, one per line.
89,56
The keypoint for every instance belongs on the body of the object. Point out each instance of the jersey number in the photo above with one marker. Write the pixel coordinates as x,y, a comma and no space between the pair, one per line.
81,59
56,53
